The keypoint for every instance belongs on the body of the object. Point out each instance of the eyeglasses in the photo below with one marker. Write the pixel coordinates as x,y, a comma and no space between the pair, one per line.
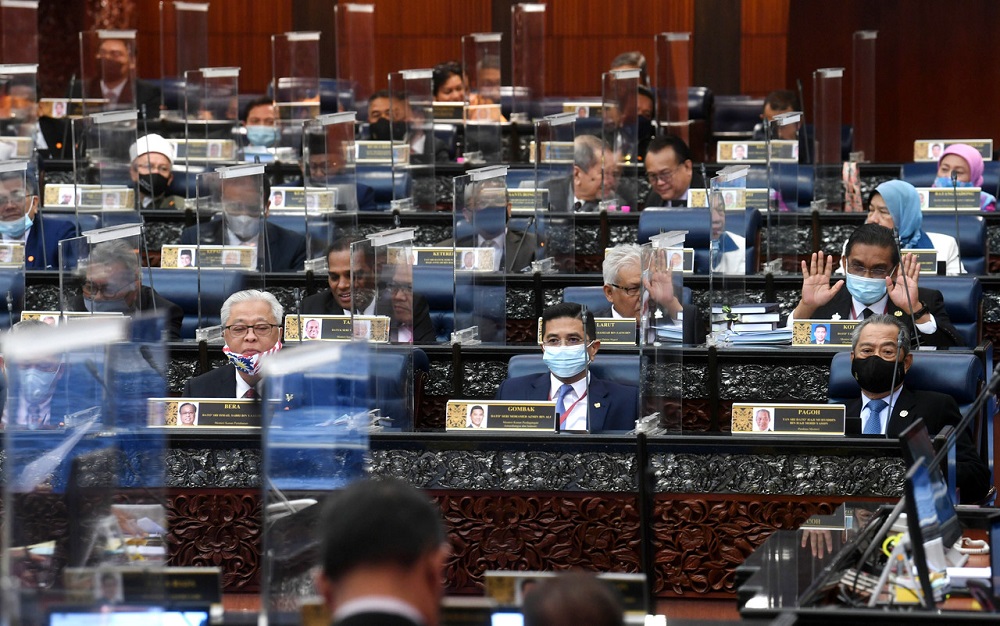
860,270
662,176
238,330
105,290
629,291
14,198
555,342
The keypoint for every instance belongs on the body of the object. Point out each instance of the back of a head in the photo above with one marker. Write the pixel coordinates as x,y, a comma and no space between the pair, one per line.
572,599
782,100
378,522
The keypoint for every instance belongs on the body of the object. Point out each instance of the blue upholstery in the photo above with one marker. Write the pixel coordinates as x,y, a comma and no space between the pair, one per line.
181,288
321,231
735,116
793,181
963,301
697,222
923,173
593,297
391,382
387,186
701,101
972,242
437,285
619,368
83,221
11,282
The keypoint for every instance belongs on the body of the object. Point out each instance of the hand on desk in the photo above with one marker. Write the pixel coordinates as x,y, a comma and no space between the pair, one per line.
817,540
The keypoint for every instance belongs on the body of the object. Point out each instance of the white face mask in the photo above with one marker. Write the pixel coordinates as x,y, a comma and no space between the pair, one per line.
245,227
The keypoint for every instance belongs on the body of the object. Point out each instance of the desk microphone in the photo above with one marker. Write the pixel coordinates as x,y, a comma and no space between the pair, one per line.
297,297
892,388
147,355
524,235
906,285
96,373
10,308
954,199
802,107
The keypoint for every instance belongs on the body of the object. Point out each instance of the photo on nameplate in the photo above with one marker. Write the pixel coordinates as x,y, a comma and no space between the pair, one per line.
932,149
405,255
782,151
106,198
296,200
788,419
11,254
318,328
208,257
55,318
500,416
834,333
474,259
202,412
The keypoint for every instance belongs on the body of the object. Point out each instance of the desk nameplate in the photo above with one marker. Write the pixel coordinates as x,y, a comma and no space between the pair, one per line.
756,152
931,149
500,416
312,200
612,331
11,254
208,257
788,419
834,333
942,199
373,328
55,318
199,412
528,199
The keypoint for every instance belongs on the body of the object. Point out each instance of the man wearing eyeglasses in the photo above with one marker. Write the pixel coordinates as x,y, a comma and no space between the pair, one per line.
595,178
19,222
37,383
152,172
251,328
669,171
583,401
875,285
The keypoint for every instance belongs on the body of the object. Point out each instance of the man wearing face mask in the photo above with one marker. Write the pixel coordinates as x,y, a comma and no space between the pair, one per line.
258,120
152,173
875,284
391,118
112,284
115,65
251,322
583,401
487,210
34,407
887,410
19,222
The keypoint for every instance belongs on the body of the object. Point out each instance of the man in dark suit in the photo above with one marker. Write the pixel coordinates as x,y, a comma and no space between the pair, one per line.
669,171
594,178
152,172
888,411
19,222
876,283
583,401
245,208
383,553
251,323
115,69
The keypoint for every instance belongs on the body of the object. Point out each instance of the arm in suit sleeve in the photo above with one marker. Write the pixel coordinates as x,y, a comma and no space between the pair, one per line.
946,334
973,475
423,327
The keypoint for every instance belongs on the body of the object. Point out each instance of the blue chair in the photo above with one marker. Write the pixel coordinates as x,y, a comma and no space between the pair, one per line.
619,368
437,285
182,288
734,117
919,174
395,378
972,242
387,184
963,301
793,181
697,222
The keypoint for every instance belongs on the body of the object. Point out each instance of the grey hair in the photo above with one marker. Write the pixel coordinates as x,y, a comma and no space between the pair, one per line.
619,257
587,151
882,320
250,295
116,251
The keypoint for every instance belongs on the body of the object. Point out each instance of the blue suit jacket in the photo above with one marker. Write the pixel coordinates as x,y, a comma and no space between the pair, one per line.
37,252
287,248
612,406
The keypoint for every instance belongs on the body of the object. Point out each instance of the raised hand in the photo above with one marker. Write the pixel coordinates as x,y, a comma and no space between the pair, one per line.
816,288
898,289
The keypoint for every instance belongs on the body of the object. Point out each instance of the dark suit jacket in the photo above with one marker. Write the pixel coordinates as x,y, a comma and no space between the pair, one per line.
561,197
149,301
218,383
322,303
281,250
39,253
524,256
937,410
692,330
945,336
653,200
146,93
612,406
375,619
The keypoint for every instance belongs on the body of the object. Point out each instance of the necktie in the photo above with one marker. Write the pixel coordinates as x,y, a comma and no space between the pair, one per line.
873,425
561,401
251,393
867,313
34,416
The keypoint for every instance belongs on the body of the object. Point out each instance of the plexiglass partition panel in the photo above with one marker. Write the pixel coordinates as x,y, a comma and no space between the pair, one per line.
778,198
553,225
414,145
528,59
294,83
211,116
84,519
101,273
727,246
673,78
109,190
191,24
314,441
623,131
18,111
485,249
330,175
483,116
827,103
17,199
107,70
663,322
18,31
355,24
863,111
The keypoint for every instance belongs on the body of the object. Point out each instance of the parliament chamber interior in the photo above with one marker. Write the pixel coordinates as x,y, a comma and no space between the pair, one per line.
694,296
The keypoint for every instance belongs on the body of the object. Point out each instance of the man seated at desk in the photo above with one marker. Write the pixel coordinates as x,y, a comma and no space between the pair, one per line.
251,327
18,223
595,177
116,65
875,285
152,172
669,171
888,411
38,382
583,401
487,210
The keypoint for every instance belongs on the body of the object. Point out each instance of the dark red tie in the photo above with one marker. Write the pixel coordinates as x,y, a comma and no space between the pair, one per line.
251,393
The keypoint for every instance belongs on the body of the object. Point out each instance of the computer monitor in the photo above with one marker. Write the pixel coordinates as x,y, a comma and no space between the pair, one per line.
924,529
125,616
916,444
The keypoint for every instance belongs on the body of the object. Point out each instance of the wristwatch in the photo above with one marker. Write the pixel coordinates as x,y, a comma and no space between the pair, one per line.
923,311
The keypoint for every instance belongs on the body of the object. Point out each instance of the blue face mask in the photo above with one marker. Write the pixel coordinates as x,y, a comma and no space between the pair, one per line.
945,181
565,361
36,385
866,290
117,305
16,228
265,136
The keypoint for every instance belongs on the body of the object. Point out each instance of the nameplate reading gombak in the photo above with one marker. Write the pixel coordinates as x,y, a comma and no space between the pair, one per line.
788,419
194,412
495,415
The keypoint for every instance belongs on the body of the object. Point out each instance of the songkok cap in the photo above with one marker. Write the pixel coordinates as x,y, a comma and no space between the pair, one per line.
151,143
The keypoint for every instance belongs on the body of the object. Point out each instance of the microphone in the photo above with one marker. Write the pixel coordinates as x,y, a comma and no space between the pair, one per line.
906,285
10,308
520,243
802,105
892,388
96,373
297,297
147,355
954,199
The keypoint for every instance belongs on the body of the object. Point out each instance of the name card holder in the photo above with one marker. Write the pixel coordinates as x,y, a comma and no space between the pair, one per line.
931,149
833,333
208,257
311,200
478,416
57,318
474,259
11,254
782,151
527,200
945,199
373,328
203,412
788,419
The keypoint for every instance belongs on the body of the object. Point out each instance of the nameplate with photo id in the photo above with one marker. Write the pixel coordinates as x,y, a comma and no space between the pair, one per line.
373,328
552,152
507,416
208,257
90,197
613,331
11,254
449,111
931,149
681,259
756,152
146,585
430,256
299,199
927,258
474,259
17,147
835,333
524,200
943,199
369,151
69,107
56,318
734,198
203,412
205,149
788,419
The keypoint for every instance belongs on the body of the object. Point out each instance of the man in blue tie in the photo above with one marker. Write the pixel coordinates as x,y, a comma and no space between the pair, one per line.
887,406
583,401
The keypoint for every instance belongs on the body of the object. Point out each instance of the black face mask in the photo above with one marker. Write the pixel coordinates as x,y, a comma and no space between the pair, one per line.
153,185
874,373
383,130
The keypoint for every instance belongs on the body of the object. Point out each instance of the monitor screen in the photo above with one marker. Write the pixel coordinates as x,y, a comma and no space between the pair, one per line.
995,553
916,443
922,525
126,616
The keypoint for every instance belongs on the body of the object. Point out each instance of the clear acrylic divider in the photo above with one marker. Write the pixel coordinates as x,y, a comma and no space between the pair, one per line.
242,210
673,78
527,60
101,274
18,111
17,196
107,70
485,250
85,508
780,206
211,116
483,115
414,146
863,68
355,27
662,319
622,132
19,31
108,188
187,48
728,244
315,426
554,221
330,176
294,83
827,104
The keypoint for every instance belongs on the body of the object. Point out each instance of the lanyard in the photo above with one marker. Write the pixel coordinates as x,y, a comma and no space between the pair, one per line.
569,409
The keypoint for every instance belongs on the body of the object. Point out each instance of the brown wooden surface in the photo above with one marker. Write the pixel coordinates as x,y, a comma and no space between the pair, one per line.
764,46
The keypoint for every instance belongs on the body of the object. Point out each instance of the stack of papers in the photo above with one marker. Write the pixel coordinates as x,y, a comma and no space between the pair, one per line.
771,337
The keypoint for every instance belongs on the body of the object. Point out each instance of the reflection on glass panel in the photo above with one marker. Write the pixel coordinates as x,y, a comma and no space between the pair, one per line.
863,110
18,111
355,24
673,78
528,59
107,73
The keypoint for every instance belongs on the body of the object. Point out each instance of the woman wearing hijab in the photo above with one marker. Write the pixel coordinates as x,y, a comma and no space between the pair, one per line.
966,164
896,204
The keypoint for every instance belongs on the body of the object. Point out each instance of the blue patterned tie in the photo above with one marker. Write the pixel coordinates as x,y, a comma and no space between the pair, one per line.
873,425
561,401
